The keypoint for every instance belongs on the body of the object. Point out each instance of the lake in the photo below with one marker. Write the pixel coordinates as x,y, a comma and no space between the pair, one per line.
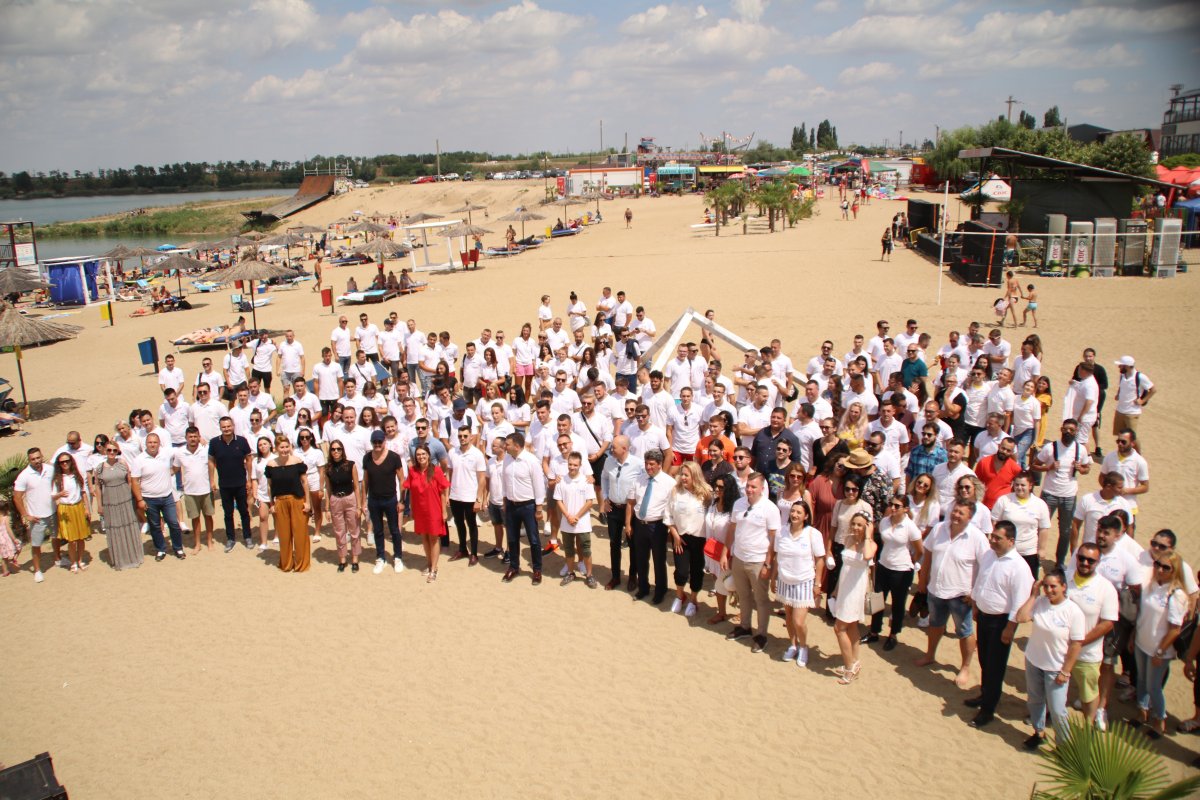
70,209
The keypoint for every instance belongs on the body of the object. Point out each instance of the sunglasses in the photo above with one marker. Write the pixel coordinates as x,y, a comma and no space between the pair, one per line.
113,452
1085,560
850,488
422,427
64,462
336,450
1158,545
895,505
1160,566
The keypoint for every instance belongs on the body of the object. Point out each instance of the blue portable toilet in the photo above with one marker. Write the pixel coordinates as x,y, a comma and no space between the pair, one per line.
72,280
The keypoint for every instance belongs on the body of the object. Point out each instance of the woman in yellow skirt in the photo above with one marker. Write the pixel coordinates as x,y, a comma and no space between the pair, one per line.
291,505
74,523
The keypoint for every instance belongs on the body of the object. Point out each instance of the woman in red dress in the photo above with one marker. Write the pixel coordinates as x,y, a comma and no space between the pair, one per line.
428,491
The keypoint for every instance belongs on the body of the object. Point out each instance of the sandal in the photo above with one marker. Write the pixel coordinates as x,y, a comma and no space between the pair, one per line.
847,678
1189,726
74,568
431,577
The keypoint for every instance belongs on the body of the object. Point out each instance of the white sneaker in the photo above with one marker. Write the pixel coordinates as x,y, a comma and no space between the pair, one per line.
562,573
184,525
676,606
398,564
262,547
922,622
64,562
316,538
1101,722
690,611
38,577
145,527
379,565
273,540
790,653
802,658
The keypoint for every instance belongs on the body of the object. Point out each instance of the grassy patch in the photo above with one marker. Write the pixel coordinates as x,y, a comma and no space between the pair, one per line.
192,218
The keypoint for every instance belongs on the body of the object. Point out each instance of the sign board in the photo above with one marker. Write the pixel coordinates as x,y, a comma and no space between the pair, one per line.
25,253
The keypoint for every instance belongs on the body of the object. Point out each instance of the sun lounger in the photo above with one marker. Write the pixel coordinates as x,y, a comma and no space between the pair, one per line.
504,251
364,298
530,242
212,338
566,232
417,286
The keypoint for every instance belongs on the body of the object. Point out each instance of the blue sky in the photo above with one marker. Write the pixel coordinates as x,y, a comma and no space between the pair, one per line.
105,83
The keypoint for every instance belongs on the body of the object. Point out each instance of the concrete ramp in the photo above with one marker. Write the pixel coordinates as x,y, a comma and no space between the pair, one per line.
313,189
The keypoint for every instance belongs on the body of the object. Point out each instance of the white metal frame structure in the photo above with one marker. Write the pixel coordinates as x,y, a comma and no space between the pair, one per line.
664,347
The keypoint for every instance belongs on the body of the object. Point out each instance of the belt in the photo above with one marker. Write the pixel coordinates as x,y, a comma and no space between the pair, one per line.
521,502
343,494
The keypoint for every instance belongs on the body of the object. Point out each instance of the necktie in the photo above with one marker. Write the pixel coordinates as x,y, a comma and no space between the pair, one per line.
617,479
646,500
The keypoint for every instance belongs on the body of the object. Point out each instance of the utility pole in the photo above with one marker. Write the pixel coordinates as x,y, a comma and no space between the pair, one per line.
901,146
1010,102
437,146
937,135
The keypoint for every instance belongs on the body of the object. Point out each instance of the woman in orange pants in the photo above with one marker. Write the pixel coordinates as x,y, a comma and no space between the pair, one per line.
290,505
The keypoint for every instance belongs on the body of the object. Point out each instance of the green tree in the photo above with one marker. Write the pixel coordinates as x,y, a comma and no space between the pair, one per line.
1051,118
826,136
1027,120
1125,153
1189,160
22,182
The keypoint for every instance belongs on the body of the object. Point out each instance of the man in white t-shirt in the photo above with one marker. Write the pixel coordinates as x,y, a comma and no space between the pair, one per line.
753,523
998,351
366,337
1001,399
1093,506
207,376
1085,396
907,337
896,438
152,491
414,339
575,495
644,436
468,488
946,475
170,376
622,314
197,476
607,304
678,372
1131,465
875,345
292,364
1061,461
1026,367
234,367
806,430
327,381
889,361
173,416
684,424
33,496
262,360
753,417
1097,598
643,328
859,350
1134,390
206,414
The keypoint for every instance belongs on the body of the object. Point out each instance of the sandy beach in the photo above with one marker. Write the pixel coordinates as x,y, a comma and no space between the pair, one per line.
221,676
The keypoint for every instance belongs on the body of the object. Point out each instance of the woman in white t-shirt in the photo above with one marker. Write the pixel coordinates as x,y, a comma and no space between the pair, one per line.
852,593
1161,610
1054,644
799,558
518,409
313,458
895,567
264,452
600,329
684,519
1026,418
1029,514
545,313
74,521
725,493
525,348
923,506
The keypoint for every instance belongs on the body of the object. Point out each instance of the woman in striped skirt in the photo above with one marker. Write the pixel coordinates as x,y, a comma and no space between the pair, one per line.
799,558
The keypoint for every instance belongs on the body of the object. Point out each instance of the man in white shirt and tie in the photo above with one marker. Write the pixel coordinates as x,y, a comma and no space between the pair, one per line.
617,484
644,513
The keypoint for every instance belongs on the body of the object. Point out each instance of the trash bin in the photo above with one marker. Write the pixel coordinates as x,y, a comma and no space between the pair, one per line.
327,297
148,351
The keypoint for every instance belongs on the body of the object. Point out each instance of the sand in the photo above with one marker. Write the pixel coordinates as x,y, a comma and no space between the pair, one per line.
220,676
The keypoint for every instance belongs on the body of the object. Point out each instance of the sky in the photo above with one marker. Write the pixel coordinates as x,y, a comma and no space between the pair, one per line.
90,84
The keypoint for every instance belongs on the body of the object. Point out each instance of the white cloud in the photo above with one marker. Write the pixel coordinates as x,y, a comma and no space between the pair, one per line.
871,72
826,6
749,10
783,75
1090,85
901,6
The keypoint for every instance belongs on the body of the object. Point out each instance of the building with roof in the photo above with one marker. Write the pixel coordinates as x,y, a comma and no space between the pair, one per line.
1181,125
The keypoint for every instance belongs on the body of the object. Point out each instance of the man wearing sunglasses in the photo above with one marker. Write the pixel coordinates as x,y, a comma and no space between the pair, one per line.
32,496
1119,563
1097,598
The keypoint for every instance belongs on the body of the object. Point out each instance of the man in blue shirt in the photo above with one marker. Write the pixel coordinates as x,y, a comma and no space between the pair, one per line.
912,367
231,456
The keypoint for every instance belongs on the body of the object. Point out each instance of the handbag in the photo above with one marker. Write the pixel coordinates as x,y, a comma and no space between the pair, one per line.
714,549
874,603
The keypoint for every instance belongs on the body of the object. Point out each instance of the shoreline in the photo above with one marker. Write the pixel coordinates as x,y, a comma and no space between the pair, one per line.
203,217
148,192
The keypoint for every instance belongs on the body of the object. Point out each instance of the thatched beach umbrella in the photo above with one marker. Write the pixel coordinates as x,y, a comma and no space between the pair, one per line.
306,229
369,227
465,230
18,330
251,271
382,248
420,216
117,253
179,262
16,280
236,241
521,215
467,208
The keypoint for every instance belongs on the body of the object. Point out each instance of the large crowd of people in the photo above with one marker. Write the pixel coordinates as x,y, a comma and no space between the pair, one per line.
904,481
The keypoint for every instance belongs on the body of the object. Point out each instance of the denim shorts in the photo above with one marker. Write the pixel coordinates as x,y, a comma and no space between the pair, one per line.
496,514
43,529
941,610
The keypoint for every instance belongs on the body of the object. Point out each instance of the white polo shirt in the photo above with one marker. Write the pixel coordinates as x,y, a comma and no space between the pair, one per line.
573,494
154,473
193,469
1091,507
37,486
1097,599
290,356
340,338
325,380
751,539
174,419
1002,584
170,378
1029,516
207,417
465,468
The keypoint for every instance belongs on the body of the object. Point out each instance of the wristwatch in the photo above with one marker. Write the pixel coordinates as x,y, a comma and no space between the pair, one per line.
1158,653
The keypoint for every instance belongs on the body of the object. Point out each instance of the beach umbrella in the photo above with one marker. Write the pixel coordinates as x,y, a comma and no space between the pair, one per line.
564,202
282,239
521,215
16,280
236,241
255,235
179,262
251,271
466,230
19,330
421,216
467,208
369,227
382,248
306,229
117,253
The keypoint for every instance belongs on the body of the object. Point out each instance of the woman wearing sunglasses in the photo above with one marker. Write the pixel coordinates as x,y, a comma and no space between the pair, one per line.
74,521
308,452
1161,610
121,526
343,498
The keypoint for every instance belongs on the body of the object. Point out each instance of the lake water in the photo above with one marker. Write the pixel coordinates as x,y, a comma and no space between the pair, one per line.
70,209
96,245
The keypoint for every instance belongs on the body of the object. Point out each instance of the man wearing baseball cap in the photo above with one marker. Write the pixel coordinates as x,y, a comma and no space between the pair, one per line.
1134,390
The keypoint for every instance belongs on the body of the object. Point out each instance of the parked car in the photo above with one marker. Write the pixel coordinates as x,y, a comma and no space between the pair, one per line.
450,176
468,176
424,179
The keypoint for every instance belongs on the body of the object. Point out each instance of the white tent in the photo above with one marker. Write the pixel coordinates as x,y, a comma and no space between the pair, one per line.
663,349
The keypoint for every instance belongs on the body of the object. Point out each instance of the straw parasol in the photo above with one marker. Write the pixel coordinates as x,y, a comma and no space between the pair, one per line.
251,271
179,262
368,227
465,230
382,248
18,330
15,280
283,239
236,241
421,216
521,215
306,229
467,208
117,253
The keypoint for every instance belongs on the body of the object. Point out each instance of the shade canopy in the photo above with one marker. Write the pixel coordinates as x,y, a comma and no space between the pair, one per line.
384,248
420,216
117,253
251,270
21,330
522,215
465,230
17,280
181,262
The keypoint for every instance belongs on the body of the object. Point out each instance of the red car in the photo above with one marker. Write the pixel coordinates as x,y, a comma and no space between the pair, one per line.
424,179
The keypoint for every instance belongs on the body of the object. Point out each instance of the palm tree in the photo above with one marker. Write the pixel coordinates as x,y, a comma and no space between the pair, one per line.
1117,764
773,199
725,200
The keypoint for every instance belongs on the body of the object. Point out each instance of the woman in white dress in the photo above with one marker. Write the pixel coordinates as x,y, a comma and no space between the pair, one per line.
262,493
852,594
716,523
799,559
314,459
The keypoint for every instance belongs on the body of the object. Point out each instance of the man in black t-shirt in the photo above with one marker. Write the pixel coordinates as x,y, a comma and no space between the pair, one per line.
382,472
230,455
